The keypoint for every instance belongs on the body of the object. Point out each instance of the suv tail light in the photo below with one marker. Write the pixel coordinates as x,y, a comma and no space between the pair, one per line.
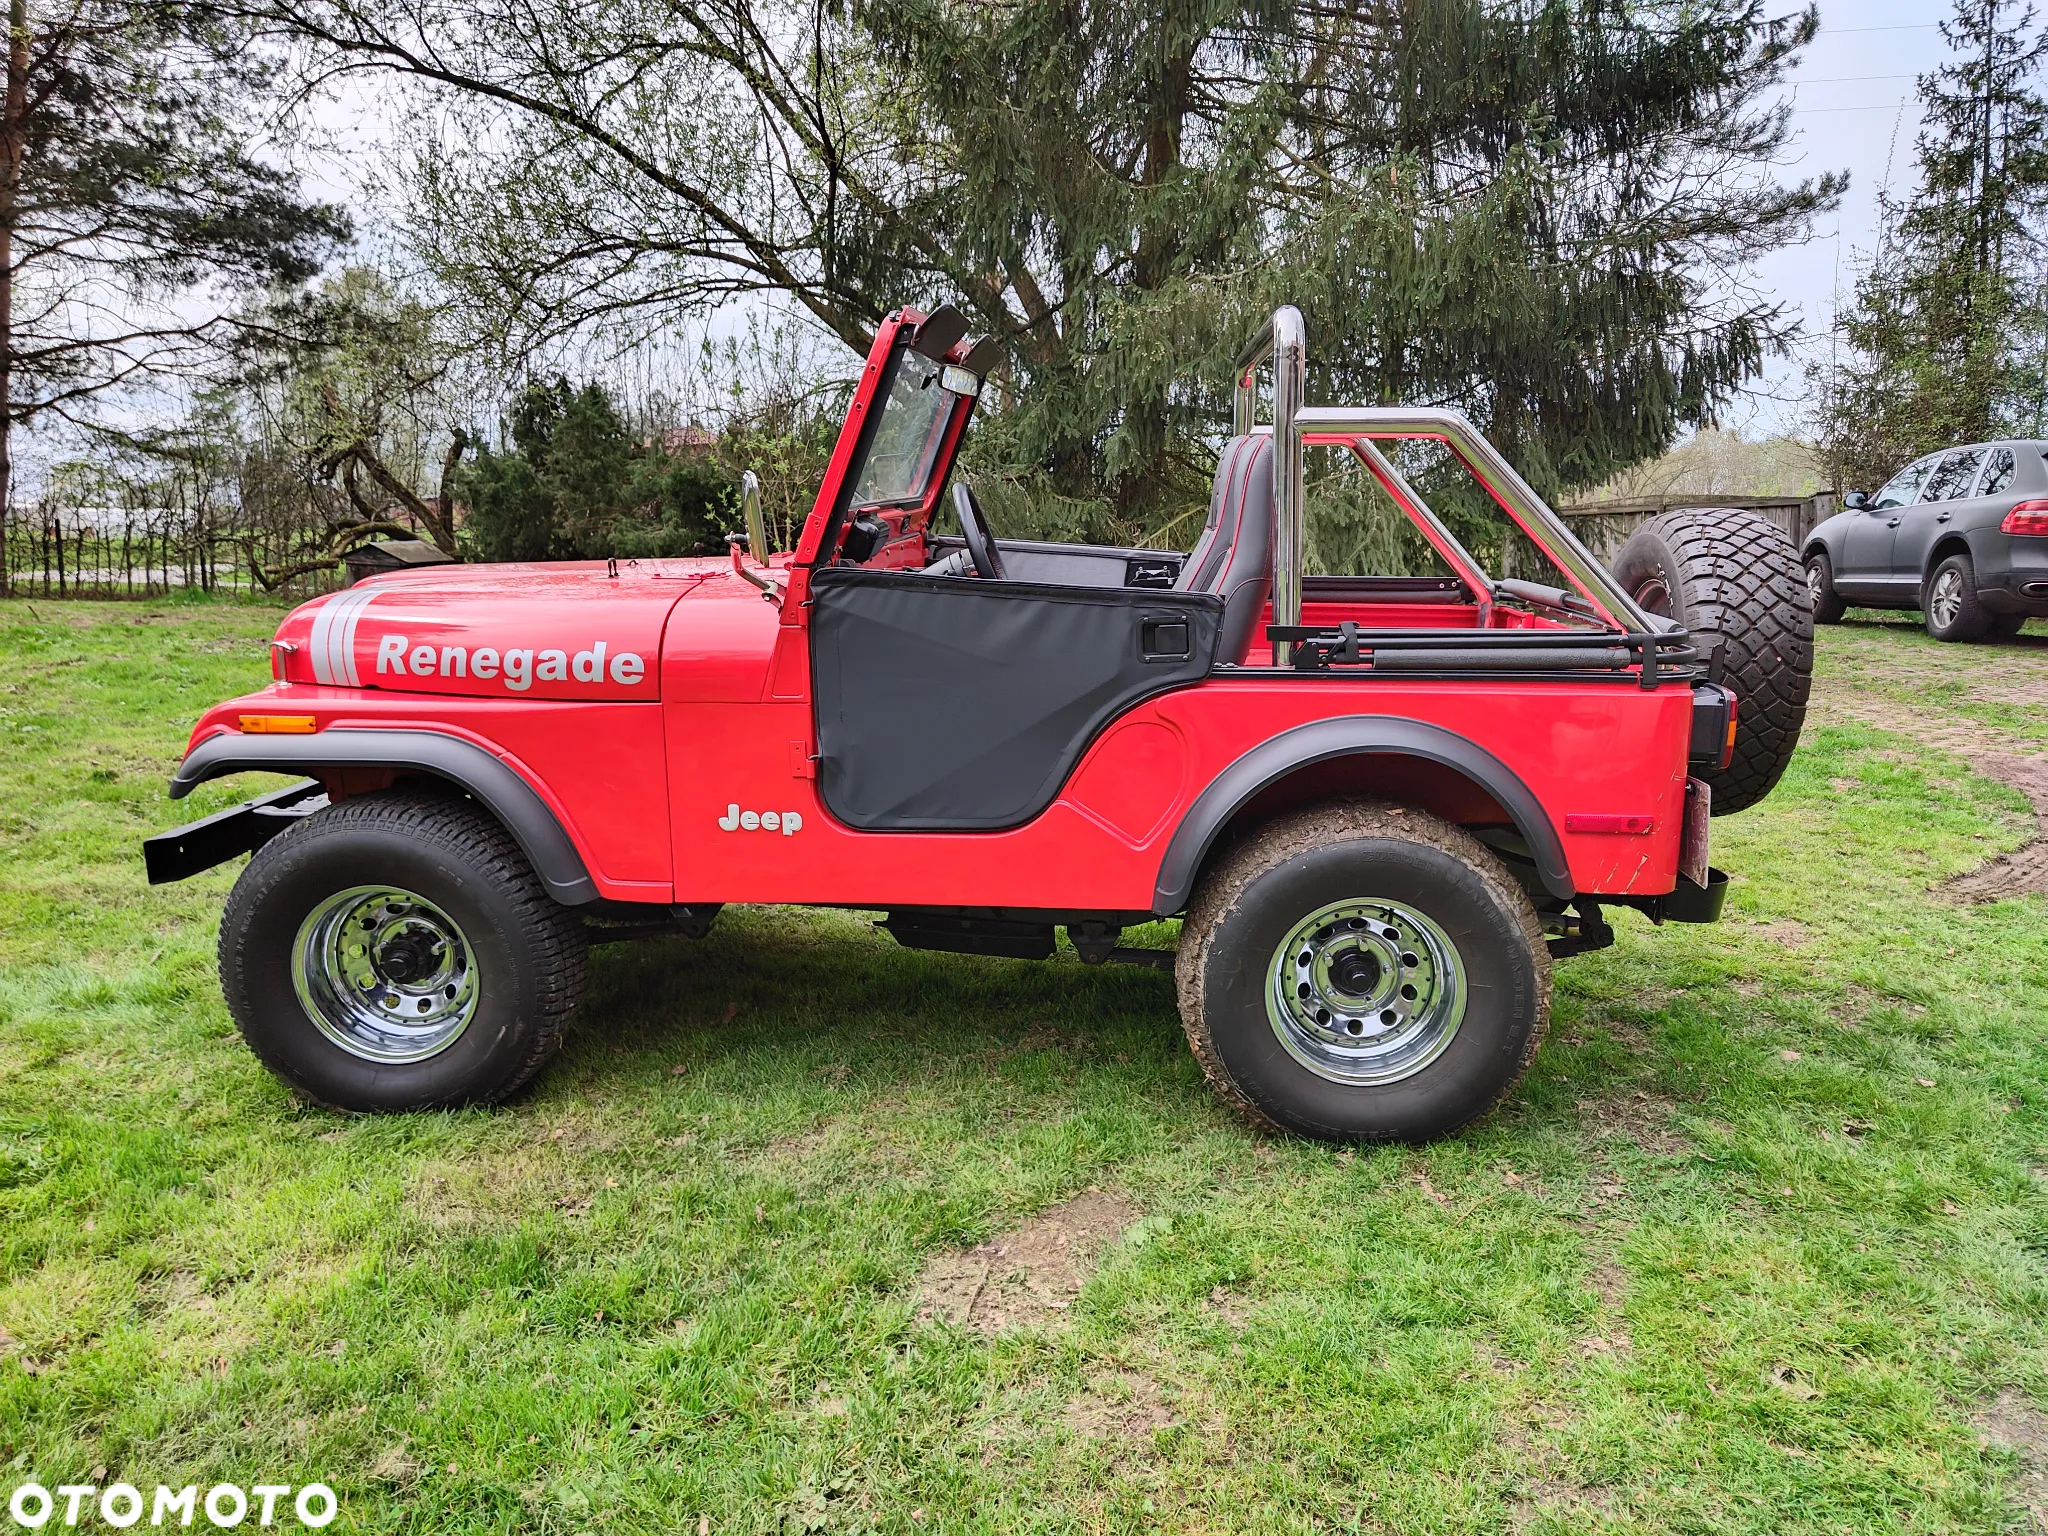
1712,742
2027,517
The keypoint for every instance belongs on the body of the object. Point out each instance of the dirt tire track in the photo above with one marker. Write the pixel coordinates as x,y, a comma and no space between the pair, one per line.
1997,755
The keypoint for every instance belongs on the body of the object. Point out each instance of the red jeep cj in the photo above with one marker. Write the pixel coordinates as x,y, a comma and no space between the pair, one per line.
1382,803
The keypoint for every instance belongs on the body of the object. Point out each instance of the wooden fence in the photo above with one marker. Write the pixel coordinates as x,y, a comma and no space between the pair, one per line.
1604,526
88,551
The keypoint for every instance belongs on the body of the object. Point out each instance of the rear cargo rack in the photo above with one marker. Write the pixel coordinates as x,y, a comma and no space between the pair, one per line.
1323,648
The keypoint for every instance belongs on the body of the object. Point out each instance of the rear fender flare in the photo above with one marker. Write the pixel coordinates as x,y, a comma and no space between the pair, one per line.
1352,736
1953,541
494,782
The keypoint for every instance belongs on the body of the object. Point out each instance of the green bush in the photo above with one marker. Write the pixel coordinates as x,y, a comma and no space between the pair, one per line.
577,483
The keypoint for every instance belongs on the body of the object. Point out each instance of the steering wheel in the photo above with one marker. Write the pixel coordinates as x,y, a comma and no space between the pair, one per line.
981,544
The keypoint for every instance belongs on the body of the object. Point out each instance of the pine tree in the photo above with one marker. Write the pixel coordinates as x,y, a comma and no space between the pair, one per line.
1516,206
1945,334
576,482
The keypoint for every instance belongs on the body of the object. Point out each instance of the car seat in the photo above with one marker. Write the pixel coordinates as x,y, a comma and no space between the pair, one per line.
1234,556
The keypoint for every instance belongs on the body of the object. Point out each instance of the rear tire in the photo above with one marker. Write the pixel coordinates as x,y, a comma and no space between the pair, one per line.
1948,602
1423,996
396,951
1734,581
1828,606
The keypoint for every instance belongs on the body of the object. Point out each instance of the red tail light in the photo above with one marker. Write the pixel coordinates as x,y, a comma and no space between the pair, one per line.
2027,517
1713,726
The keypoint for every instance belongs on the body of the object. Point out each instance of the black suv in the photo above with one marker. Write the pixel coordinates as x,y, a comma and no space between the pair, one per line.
1961,535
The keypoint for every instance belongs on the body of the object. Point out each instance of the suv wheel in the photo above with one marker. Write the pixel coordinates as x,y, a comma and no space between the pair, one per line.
1950,601
1363,972
396,951
1734,581
1828,606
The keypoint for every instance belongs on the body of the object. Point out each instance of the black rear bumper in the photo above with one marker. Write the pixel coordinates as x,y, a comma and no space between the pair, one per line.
2029,596
188,850
2012,574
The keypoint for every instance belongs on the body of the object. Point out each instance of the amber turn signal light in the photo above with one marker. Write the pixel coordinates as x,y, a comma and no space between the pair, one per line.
278,725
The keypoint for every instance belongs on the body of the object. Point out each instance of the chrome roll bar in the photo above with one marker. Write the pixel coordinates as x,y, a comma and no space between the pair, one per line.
1243,405
1284,340
1516,496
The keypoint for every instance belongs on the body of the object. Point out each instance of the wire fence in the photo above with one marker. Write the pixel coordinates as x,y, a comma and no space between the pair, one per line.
57,548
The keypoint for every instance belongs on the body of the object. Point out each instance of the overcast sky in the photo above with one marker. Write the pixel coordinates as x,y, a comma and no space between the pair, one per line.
1854,110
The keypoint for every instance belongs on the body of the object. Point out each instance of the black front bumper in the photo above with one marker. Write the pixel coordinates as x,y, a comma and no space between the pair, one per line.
187,850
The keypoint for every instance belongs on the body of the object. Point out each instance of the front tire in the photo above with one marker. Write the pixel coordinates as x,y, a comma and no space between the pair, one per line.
1949,602
396,951
1363,972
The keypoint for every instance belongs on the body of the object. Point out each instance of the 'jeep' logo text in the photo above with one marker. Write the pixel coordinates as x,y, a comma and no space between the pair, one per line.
788,823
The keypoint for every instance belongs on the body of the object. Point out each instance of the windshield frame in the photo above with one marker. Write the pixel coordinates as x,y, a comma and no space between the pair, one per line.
832,510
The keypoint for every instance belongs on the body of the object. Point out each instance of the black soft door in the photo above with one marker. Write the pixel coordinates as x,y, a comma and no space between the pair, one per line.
954,703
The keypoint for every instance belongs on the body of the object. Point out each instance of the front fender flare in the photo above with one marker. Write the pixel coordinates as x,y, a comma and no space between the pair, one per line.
1825,536
541,837
1348,736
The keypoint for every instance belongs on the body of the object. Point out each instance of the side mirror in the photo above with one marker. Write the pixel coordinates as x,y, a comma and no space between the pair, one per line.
750,509
1855,501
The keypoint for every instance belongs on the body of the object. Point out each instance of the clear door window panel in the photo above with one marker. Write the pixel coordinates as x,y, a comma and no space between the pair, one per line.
1904,486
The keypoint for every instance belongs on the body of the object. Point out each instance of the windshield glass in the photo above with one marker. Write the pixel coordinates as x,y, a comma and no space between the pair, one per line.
915,412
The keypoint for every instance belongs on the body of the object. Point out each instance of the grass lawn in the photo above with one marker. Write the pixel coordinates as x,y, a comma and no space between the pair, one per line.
1760,1245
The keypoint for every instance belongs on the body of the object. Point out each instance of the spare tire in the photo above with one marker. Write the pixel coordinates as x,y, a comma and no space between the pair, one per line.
1734,581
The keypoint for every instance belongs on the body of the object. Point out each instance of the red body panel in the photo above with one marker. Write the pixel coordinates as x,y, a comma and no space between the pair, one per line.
643,788
1578,746
598,766
662,711
493,632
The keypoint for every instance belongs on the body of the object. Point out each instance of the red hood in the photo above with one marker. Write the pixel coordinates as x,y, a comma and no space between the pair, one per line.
567,631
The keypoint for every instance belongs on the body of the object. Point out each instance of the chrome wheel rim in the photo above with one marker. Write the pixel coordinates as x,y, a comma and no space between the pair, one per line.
1814,587
1947,599
385,974
1366,992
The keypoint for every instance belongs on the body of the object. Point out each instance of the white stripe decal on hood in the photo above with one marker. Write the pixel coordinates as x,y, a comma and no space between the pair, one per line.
348,639
333,638
316,643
